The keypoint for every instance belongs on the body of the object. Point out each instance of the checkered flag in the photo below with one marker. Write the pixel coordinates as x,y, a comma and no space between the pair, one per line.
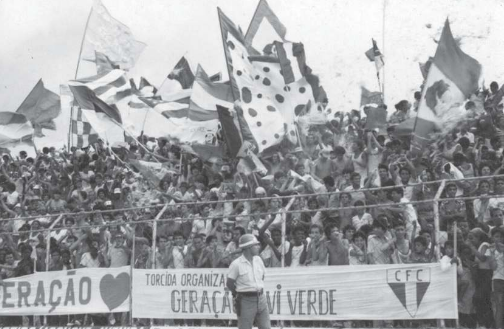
83,133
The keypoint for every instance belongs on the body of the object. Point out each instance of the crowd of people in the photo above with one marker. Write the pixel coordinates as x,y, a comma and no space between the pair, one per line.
347,196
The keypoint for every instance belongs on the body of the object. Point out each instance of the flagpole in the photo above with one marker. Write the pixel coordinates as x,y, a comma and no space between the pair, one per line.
235,97
82,42
383,47
75,77
134,138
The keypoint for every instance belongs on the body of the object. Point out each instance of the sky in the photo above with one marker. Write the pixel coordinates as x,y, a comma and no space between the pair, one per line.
41,39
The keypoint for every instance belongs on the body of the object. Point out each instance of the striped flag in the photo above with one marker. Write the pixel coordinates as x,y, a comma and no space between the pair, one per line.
108,36
206,95
145,89
181,96
88,100
83,133
374,55
15,128
105,119
453,76
264,19
111,87
166,108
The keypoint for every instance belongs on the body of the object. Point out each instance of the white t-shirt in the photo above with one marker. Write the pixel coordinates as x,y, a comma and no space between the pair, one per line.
178,257
269,254
296,255
88,261
498,273
358,222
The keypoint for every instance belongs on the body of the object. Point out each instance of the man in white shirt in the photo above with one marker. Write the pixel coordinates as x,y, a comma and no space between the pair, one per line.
246,282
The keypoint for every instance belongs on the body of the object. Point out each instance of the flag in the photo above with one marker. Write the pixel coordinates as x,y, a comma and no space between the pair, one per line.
292,61
376,118
15,128
497,100
153,172
424,67
82,133
206,95
229,29
166,108
181,96
263,20
322,96
374,55
249,162
111,87
370,97
103,63
216,77
105,119
194,132
269,106
182,73
88,100
108,36
230,131
146,88
41,106
293,68
453,76
210,153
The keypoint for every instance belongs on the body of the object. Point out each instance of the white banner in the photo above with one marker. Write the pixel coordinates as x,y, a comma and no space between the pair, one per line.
86,290
368,292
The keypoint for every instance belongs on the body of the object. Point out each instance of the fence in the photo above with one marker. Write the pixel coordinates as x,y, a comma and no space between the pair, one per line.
283,212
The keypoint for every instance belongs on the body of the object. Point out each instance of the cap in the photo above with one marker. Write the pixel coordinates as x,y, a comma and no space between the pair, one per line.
117,190
260,190
247,240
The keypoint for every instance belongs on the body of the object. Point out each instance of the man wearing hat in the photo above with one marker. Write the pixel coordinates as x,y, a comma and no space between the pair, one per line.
246,281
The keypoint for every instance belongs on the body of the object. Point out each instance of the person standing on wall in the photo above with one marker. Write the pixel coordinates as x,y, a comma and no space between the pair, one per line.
245,280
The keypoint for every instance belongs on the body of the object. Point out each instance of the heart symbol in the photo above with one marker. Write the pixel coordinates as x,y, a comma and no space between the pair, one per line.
114,291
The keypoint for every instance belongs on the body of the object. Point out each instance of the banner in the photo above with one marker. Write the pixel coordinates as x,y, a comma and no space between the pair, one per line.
368,292
82,291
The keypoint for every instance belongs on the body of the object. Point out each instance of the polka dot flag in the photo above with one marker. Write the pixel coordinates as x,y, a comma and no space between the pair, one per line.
269,105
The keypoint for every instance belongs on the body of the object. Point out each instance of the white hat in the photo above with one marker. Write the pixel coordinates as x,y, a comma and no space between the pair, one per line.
260,190
117,190
247,240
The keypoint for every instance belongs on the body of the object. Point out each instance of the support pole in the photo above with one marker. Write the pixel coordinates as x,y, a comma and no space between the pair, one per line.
48,249
455,255
436,218
154,234
132,266
440,322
